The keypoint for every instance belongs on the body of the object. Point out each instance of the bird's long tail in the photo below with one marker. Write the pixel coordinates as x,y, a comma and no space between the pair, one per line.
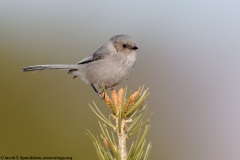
50,66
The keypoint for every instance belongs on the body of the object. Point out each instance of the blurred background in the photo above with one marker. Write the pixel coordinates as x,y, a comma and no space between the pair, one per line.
188,57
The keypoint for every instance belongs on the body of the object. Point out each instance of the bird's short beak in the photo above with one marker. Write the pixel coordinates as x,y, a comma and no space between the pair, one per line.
135,48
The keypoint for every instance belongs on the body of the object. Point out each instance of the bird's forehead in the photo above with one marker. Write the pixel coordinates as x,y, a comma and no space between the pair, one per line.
123,39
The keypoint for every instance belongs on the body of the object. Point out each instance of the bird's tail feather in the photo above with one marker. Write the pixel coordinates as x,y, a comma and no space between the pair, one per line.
50,66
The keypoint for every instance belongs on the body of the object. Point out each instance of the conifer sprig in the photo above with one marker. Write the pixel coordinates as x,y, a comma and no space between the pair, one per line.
127,118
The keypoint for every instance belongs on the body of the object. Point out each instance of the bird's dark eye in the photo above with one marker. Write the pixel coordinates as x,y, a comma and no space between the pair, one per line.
124,45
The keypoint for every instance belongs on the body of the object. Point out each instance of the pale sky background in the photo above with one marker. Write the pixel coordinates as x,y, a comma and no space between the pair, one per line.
189,57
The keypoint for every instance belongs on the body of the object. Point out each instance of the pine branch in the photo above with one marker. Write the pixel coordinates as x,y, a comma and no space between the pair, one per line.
127,119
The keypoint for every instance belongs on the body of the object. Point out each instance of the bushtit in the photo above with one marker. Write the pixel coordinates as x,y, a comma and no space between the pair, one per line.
110,65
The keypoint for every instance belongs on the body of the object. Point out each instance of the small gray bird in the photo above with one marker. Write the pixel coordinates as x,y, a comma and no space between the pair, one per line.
110,65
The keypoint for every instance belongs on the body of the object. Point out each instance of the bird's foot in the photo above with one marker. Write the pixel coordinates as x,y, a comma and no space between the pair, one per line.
101,95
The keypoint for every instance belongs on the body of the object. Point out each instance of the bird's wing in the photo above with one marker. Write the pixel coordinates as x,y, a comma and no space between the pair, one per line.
86,59
99,54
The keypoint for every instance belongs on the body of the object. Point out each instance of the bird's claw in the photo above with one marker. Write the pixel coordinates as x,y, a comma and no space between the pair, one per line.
101,95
